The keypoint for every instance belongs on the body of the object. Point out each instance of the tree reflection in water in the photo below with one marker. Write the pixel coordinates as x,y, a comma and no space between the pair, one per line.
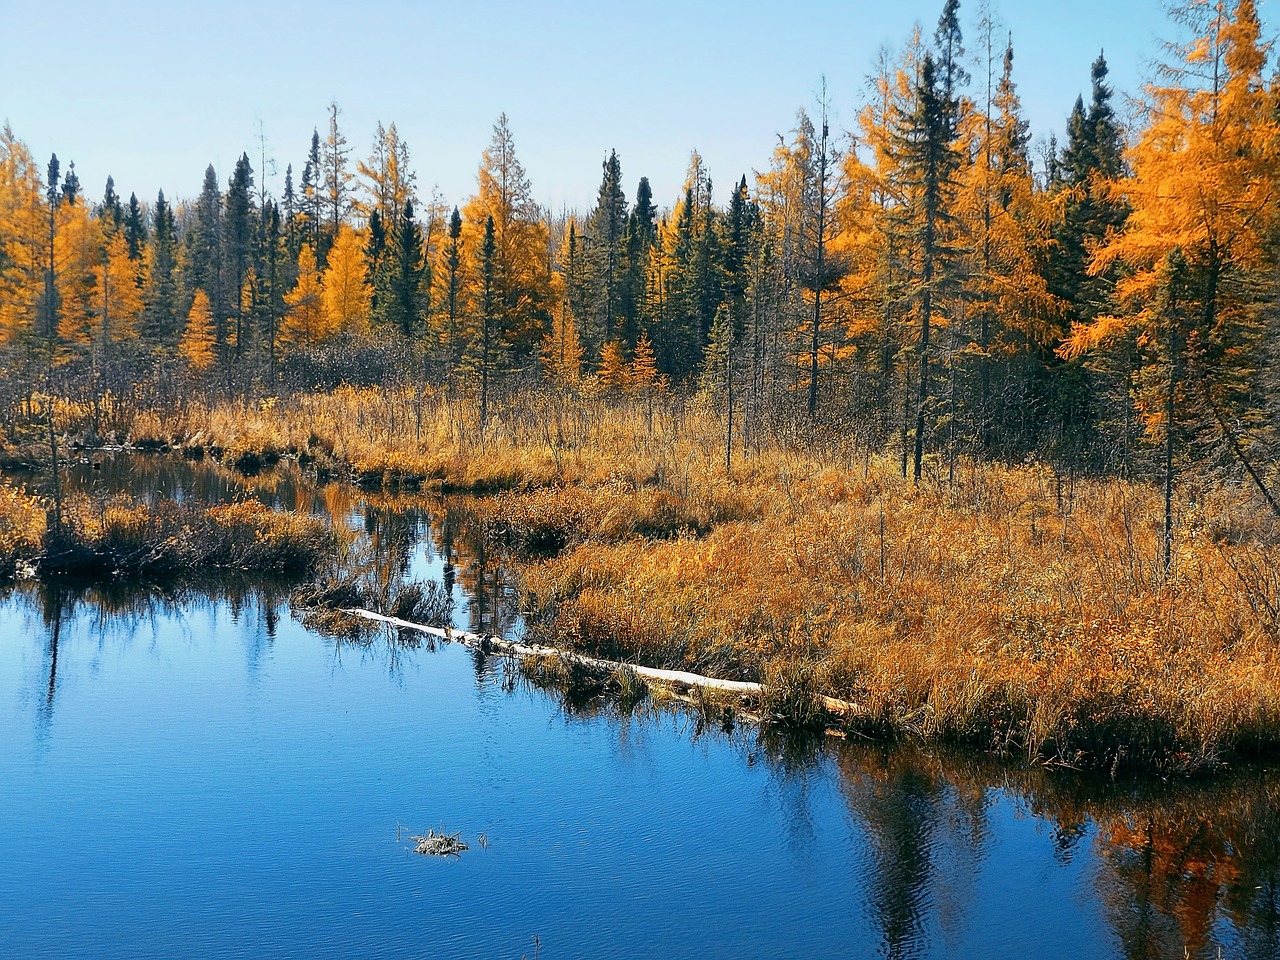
1175,869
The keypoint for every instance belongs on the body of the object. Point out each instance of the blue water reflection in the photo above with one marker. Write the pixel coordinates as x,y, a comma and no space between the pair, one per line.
199,774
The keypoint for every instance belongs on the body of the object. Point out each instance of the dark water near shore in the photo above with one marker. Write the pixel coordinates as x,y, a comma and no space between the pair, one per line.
201,774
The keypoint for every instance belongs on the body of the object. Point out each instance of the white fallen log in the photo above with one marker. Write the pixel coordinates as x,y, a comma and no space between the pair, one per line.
679,679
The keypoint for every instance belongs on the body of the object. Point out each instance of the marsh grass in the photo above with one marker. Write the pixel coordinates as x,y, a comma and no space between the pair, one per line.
1003,607
168,541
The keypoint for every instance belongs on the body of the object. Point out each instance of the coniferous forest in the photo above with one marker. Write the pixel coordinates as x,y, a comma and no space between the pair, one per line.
981,397
922,281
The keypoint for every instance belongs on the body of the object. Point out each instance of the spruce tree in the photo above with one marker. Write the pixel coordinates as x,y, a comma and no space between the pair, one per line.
409,280
930,161
203,262
135,228
111,213
160,312
488,309
453,263
238,233
607,230
642,232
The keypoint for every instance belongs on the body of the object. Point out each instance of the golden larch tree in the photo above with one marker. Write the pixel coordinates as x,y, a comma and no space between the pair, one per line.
1196,248
23,233
522,273
304,319
119,292
199,337
347,295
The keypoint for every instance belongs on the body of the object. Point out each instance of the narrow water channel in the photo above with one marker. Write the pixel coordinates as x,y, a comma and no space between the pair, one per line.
198,773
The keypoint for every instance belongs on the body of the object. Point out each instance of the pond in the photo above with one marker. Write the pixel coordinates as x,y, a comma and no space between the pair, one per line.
200,773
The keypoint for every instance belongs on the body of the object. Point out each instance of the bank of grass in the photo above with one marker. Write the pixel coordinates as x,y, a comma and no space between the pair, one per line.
987,612
168,541
1007,608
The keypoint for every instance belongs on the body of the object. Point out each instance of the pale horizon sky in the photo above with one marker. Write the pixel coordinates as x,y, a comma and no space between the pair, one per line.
152,93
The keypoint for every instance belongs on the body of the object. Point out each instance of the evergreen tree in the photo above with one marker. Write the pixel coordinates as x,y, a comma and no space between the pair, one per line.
203,261
111,213
487,302
951,75
238,232
70,185
930,161
409,275
161,314
312,203
453,342
607,230
1087,400
271,299
50,308
642,234
135,228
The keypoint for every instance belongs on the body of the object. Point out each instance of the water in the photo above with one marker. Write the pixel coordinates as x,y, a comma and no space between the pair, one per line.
200,774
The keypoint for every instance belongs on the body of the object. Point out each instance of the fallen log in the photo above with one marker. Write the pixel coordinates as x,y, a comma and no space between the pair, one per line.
680,680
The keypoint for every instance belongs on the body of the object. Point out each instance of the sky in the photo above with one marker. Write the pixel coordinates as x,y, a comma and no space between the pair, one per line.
152,93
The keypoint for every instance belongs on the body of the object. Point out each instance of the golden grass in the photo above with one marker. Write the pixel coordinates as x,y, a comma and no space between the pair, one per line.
1007,608
22,527
170,541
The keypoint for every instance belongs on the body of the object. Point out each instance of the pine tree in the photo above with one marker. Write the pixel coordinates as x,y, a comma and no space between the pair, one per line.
453,341
111,213
487,302
238,231
274,254
203,264
410,279
50,308
930,162
311,211
135,228
161,313
642,234
71,185
607,230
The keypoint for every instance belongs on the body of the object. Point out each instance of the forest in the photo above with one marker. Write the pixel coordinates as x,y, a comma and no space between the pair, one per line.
979,434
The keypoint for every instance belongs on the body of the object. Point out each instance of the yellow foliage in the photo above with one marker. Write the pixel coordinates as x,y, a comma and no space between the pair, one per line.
23,238
347,295
199,337
306,320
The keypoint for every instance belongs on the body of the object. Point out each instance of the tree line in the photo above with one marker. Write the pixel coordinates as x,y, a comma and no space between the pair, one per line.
921,280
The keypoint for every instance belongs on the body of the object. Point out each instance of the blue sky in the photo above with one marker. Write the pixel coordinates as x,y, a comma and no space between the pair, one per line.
152,92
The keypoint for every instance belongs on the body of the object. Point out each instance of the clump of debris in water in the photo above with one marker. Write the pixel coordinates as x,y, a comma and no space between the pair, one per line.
439,844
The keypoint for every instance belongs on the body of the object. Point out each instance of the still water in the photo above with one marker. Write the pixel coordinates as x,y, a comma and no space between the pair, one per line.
200,774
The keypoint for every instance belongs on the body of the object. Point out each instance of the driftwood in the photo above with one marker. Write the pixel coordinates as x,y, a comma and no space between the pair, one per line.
678,681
